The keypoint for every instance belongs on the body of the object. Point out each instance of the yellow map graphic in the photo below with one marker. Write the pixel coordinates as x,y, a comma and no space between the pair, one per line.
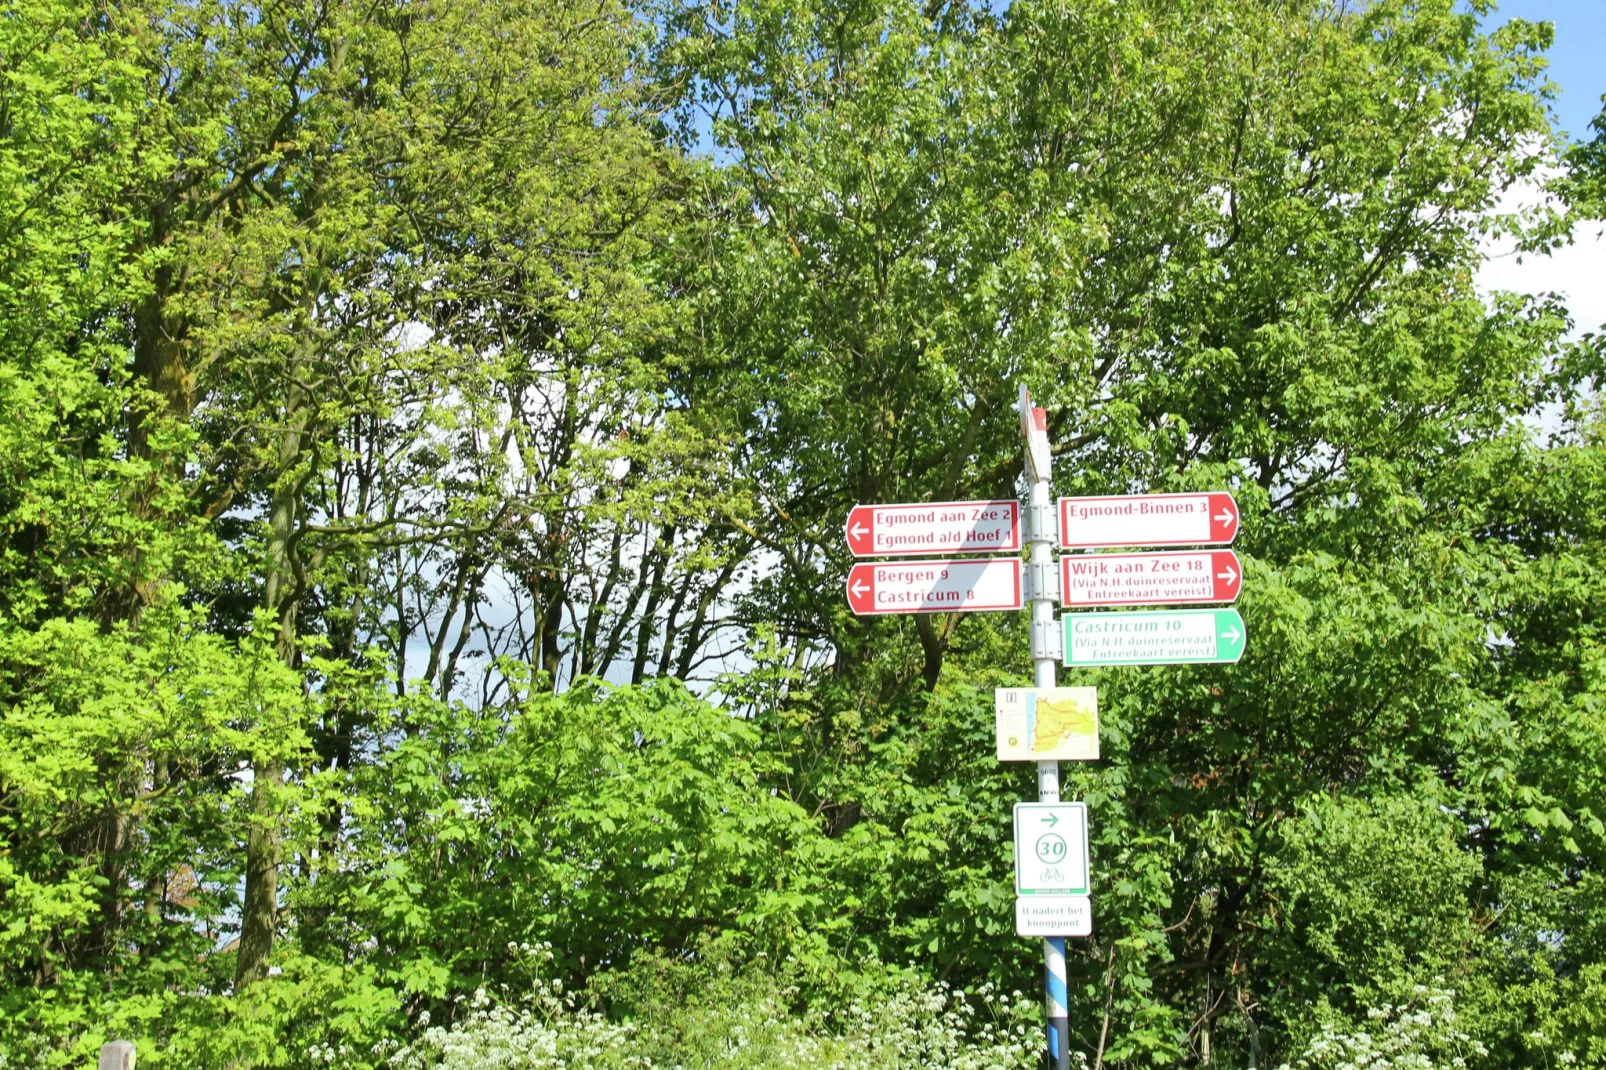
1047,723
1062,722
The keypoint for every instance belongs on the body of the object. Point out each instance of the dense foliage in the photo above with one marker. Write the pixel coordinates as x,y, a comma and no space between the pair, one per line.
425,435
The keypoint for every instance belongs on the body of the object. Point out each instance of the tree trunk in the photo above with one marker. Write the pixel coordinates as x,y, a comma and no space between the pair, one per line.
933,644
281,593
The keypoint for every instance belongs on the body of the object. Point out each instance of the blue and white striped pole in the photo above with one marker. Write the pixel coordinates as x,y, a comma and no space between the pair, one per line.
1059,1021
1047,649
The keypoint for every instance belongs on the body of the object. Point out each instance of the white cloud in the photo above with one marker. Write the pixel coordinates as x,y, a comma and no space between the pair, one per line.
1577,272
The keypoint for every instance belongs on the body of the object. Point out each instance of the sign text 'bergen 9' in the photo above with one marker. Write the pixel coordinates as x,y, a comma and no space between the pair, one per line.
934,528
1154,637
1148,520
966,585
1169,578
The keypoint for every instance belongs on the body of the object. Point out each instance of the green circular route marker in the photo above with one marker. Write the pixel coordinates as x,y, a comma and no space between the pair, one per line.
1051,849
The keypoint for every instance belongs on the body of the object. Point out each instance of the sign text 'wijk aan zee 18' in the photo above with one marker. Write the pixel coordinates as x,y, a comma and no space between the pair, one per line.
1151,579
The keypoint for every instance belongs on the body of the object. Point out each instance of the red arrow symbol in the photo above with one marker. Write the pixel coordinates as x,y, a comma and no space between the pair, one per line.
1223,517
1229,574
861,589
860,523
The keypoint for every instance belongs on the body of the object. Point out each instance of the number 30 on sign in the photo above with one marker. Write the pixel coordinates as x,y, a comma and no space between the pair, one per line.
1051,848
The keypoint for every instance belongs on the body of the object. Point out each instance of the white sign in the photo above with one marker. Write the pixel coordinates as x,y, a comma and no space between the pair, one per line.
1148,520
933,528
1051,848
1164,578
965,586
1038,724
1053,915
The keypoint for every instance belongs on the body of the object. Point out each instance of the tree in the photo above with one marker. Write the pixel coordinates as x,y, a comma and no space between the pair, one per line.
1223,250
383,381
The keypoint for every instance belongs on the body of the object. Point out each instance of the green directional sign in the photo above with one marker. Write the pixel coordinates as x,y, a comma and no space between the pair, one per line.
1176,637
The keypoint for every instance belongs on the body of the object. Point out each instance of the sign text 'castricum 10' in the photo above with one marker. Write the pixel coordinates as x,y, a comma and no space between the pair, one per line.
1154,637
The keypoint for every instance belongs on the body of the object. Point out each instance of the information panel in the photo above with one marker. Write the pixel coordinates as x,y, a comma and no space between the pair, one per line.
1037,724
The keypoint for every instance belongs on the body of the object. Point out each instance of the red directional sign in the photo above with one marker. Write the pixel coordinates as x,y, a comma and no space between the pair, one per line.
1148,520
1150,579
965,585
934,528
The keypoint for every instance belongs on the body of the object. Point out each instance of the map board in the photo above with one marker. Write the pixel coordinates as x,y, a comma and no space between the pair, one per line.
1036,724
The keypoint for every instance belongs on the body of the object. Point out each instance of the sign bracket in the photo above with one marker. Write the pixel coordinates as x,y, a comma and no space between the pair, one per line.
1048,641
1042,582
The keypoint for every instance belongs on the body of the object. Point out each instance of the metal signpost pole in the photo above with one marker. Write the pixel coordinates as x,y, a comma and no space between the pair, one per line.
1047,650
1046,723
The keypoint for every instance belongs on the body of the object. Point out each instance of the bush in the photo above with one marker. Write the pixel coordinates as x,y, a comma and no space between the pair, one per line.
1421,1033
749,1021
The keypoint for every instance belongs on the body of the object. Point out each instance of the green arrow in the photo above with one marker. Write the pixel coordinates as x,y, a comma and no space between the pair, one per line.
1168,637
1052,819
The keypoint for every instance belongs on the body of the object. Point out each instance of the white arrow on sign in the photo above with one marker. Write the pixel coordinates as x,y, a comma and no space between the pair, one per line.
1230,575
858,531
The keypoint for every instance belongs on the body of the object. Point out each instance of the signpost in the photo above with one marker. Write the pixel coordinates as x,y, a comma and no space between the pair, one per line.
1150,579
1154,638
937,528
939,586
1045,723
1209,519
1046,653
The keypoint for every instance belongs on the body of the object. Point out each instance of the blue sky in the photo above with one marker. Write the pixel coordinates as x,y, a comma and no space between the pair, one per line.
1578,67
1577,59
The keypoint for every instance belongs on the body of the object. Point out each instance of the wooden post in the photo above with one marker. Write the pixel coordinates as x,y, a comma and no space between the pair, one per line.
117,1055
